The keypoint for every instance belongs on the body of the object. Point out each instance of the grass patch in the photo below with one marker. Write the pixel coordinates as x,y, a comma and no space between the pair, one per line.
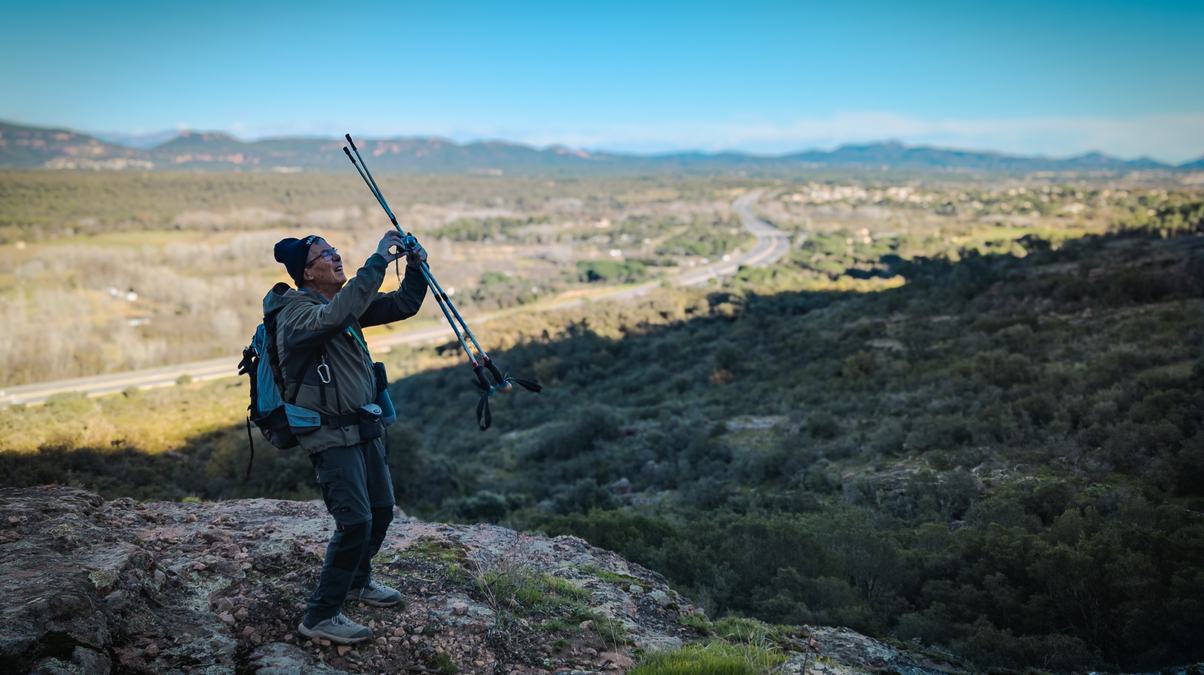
745,630
608,576
442,663
698,622
612,631
714,658
558,626
529,592
436,550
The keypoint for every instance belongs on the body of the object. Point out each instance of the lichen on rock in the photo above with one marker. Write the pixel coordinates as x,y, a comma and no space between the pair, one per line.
94,586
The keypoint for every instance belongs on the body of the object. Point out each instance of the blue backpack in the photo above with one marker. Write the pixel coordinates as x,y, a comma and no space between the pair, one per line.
268,409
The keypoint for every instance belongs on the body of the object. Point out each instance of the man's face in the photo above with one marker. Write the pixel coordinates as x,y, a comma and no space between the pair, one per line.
324,267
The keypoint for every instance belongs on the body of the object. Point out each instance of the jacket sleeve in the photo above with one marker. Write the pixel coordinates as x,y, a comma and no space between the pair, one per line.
307,324
400,304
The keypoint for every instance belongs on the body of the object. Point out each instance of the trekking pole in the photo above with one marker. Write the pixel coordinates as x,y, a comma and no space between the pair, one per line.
366,174
407,238
441,298
502,383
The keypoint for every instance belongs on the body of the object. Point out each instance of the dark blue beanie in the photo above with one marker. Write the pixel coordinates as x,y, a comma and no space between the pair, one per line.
293,253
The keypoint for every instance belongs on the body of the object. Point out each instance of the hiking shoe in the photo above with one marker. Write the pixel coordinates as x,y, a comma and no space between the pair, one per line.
337,628
377,594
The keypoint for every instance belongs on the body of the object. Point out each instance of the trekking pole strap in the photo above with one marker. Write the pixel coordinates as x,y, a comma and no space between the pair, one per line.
251,441
484,417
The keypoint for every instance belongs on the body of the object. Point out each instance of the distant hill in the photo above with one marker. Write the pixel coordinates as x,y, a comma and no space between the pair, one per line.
896,155
35,147
1194,165
142,141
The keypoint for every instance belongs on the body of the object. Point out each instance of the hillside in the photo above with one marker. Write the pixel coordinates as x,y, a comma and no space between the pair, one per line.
30,147
35,147
97,587
1004,456
1001,455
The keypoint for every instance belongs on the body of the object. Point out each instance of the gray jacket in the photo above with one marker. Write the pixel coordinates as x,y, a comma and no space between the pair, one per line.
312,331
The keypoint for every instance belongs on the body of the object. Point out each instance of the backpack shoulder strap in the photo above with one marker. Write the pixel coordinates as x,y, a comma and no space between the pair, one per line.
269,326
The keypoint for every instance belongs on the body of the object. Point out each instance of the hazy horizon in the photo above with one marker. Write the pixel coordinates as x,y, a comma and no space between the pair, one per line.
149,139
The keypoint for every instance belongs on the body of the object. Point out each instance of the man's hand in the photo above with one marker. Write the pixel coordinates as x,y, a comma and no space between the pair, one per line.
389,247
416,256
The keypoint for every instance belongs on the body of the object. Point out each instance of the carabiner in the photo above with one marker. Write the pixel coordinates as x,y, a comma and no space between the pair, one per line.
324,371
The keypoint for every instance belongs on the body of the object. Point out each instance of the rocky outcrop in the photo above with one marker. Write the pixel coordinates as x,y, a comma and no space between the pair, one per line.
95,586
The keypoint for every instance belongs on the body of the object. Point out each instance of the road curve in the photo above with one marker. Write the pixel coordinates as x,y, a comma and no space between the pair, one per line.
770,246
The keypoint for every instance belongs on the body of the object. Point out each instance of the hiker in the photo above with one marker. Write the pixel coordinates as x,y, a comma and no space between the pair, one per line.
324,359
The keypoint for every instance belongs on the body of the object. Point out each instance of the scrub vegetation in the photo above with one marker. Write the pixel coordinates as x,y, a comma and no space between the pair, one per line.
108,272
926,424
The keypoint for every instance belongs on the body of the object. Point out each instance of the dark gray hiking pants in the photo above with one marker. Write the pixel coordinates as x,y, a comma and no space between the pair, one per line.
358,492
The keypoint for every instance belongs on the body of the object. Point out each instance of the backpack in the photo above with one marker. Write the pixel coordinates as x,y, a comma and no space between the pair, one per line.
261,363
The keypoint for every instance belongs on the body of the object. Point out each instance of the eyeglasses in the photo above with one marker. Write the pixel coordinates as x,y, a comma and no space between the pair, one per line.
327,255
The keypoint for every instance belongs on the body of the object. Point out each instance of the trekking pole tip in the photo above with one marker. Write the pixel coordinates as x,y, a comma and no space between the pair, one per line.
348,137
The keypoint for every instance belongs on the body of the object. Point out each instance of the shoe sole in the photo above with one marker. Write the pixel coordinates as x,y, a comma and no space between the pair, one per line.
312,633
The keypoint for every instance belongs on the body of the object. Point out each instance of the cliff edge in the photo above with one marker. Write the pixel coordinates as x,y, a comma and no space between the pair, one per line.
95,586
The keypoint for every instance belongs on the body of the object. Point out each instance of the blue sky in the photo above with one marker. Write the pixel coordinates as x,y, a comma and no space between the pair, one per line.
1053,78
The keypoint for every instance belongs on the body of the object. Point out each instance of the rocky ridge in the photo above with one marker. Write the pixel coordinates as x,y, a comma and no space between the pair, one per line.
95,586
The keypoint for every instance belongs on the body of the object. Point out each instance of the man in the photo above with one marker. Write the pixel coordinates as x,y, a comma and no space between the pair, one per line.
324,359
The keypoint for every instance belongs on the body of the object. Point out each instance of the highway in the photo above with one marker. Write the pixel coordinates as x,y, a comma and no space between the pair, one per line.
770,246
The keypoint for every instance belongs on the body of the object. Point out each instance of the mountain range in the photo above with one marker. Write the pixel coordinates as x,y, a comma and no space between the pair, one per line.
28,147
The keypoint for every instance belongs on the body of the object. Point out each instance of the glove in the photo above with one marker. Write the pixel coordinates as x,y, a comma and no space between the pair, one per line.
389,247
416,256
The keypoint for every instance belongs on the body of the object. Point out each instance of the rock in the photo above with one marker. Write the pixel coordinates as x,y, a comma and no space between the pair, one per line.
83,660
116,582
278,658
91,661
103,579
617,660
855,652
